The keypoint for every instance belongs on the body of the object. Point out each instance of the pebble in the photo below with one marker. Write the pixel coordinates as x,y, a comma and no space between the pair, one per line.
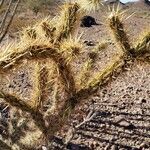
123,122
143,101
44,148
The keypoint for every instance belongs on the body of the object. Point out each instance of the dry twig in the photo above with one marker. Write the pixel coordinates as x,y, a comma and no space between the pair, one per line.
73,130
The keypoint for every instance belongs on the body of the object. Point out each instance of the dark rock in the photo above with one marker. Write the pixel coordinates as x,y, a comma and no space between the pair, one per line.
88,21
143,101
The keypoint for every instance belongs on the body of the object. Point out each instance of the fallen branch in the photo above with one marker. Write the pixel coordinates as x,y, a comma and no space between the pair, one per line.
73,130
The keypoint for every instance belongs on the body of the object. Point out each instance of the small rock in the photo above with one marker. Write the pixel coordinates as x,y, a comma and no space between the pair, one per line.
44,148
118,119
147,2
143,101
124,123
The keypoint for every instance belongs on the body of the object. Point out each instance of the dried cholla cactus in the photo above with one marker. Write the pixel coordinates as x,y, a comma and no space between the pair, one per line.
38,121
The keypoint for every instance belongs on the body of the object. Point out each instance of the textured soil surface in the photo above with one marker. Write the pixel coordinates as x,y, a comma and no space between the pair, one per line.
121,107
122,118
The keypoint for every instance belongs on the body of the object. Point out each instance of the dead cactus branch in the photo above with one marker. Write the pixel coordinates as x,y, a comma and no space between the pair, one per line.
121,37
98,80
49,31
55,44
14,101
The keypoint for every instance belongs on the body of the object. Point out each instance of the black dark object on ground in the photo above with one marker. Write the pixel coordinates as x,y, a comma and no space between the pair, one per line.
88,21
